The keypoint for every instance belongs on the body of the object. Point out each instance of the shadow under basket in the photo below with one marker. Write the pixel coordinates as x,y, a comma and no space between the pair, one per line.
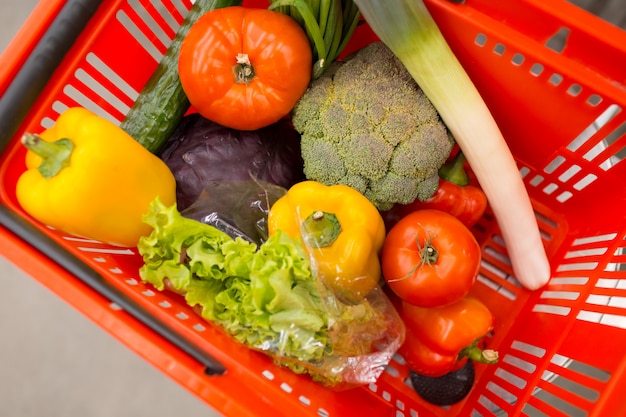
554,77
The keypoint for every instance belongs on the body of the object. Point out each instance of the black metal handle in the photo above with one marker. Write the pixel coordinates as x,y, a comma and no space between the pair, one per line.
14,106
95,281
42,62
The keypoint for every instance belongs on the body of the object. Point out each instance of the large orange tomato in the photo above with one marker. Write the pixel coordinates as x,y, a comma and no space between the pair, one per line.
245,68
430,258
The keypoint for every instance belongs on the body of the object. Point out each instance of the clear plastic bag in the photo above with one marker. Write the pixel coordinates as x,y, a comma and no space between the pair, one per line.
265,292
364,329
363,339
238,208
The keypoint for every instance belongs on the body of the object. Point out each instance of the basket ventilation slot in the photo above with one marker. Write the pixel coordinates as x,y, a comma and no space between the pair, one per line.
594,145
605,150
496,270
97,88
556,43
152,25
124,92
603,302
567,386
303,399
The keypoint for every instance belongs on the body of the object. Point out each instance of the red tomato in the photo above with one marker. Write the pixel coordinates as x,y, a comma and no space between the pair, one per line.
245,68
430,258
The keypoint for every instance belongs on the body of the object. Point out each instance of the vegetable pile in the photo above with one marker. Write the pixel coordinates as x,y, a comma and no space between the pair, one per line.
431,260
411,33
315,208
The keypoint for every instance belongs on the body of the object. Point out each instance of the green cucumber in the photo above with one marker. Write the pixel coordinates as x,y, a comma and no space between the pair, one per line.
162,102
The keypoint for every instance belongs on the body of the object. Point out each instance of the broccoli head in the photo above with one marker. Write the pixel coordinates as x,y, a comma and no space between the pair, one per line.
366,123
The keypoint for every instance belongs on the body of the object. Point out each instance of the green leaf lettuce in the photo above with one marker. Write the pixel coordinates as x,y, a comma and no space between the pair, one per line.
264,296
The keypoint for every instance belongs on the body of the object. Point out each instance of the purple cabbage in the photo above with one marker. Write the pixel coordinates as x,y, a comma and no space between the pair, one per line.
200,152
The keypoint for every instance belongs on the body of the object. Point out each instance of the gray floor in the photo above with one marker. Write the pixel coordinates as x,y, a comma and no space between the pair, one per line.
56,363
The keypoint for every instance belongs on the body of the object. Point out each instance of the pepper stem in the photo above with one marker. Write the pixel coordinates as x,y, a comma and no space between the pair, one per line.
320,229
243,70
476,354
454,171
55,155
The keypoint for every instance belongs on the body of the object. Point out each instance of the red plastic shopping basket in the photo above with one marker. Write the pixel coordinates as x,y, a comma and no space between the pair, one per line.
554,77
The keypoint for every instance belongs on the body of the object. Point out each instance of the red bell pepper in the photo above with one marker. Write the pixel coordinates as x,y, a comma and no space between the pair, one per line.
441,340
456,195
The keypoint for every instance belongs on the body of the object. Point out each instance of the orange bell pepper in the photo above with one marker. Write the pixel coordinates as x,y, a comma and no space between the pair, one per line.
440,340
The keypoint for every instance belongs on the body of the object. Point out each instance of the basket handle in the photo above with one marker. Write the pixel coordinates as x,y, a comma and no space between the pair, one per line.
44,59
15,104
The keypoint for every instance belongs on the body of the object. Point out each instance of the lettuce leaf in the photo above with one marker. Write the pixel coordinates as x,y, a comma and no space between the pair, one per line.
166,251
265,296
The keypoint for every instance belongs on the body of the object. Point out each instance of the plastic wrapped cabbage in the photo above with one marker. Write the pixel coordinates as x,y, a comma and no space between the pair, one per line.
200,152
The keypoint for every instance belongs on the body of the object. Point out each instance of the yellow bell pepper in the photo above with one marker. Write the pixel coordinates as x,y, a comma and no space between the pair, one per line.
89,178
342,230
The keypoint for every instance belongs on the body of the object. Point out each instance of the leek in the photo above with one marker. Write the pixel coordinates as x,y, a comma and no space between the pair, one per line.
408,29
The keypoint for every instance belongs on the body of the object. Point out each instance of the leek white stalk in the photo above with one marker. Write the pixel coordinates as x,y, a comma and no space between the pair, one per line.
408,29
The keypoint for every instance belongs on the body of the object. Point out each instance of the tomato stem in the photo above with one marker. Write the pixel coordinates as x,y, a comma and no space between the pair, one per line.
243,70
428,256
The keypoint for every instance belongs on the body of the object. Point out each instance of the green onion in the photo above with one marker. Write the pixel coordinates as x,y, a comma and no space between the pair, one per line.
329,24
408,29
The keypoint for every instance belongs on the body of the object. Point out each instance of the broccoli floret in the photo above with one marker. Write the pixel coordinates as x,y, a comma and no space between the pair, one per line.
366,123
366,147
